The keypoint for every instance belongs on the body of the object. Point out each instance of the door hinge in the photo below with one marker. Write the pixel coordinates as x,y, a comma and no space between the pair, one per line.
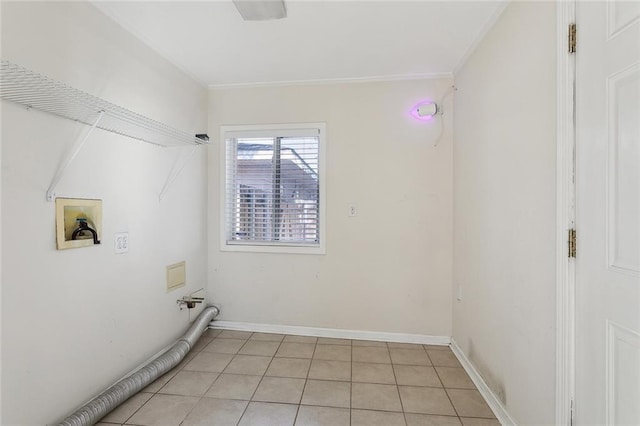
572,38
572,243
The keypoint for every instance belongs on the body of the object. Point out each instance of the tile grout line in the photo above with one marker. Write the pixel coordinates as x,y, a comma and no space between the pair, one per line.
351,389
225,367
248,402
295,419
205,392
306,380
211,385
271,361
393,370
261,378
443,387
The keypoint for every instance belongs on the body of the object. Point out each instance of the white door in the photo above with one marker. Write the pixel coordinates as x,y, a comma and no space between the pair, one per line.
608,213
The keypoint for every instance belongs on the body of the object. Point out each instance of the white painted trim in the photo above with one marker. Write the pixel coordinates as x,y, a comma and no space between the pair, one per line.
422,339
615,333
492,400
323,81
613,230
480,36
565,216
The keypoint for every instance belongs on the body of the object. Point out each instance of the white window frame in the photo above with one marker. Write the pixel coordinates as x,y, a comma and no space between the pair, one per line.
280,247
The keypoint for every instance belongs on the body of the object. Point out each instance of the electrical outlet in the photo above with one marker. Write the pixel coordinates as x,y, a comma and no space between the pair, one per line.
353,210
121,242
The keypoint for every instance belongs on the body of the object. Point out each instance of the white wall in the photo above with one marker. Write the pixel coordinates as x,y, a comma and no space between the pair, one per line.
386,270
74,321
504,210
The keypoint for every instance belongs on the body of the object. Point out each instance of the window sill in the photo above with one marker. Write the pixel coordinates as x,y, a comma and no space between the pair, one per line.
271,248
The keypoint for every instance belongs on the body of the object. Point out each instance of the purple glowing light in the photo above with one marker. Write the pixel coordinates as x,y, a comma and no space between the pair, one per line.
414,111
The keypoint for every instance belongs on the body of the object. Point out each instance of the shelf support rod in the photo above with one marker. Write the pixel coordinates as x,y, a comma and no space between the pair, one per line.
72,155
178,167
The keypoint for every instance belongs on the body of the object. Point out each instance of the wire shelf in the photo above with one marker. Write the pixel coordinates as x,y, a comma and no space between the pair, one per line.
33,90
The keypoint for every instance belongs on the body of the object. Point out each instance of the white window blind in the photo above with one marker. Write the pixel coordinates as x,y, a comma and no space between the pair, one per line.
272,187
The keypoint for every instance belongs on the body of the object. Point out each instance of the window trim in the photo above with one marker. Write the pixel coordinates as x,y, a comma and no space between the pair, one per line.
261,246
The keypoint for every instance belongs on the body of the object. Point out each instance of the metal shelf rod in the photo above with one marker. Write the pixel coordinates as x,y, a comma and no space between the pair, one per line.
33,90
25,87
175,172
72,155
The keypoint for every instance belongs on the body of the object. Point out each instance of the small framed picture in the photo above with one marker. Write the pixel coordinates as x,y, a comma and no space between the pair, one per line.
78,222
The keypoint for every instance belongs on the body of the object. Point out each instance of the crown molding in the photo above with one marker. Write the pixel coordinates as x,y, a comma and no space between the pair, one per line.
324,81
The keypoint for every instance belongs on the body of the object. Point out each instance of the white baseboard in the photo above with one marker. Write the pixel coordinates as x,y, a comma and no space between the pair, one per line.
492,400
333,332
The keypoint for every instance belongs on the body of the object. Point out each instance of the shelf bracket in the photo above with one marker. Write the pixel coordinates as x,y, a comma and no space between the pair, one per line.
72,155
178,167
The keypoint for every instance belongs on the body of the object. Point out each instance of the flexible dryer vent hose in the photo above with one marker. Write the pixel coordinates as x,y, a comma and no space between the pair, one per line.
108,400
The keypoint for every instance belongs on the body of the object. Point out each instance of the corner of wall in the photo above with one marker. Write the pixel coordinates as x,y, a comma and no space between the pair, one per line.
504,210
495,17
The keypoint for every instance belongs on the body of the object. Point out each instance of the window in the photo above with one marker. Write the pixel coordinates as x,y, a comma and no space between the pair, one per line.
273,187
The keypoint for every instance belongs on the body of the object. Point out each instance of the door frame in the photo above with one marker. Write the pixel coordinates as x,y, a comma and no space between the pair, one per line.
565,214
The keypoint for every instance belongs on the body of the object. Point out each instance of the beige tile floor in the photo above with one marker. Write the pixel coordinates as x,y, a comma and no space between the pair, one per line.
243,378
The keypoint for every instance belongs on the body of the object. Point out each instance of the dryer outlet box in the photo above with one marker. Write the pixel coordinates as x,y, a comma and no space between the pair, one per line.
176,275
